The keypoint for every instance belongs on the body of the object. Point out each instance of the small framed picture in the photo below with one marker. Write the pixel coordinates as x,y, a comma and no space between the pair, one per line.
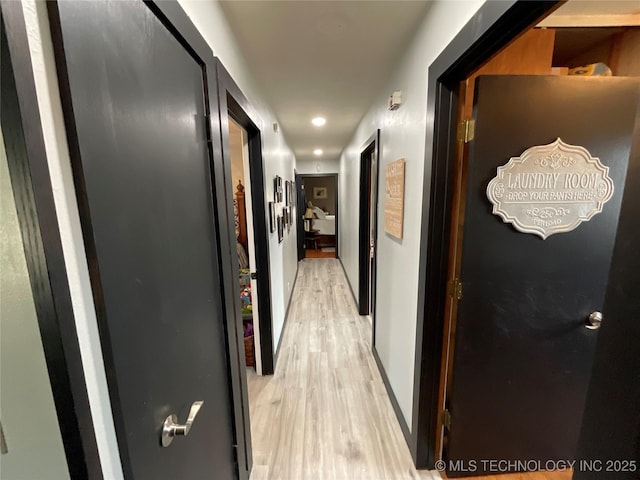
272,217
287,190
319,192
277,189
280,229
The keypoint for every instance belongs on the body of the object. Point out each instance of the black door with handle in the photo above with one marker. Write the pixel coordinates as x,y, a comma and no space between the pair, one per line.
136,113
523,356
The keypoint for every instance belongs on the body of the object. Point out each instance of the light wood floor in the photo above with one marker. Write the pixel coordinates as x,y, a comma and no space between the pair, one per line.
325,413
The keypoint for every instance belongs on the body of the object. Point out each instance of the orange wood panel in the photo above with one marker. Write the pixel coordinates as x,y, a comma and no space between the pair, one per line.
557,475
529,54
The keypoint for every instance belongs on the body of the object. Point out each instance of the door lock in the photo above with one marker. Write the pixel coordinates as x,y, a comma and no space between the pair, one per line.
594,321
171,428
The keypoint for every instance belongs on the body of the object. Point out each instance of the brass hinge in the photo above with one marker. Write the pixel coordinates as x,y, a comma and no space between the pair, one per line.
446,419
454,288
466,130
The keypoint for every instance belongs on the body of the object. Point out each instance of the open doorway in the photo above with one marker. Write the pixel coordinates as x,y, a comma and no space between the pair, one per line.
245,245
537,296
245,183
318,218
368,213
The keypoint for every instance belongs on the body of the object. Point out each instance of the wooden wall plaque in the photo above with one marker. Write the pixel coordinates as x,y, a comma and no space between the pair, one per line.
394,198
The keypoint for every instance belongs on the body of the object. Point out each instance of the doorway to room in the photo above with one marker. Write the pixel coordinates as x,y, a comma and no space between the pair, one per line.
318,215
245,245
561,291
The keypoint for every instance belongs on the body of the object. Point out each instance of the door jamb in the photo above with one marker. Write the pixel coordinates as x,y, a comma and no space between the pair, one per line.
30,179
493,26
300,177
366,274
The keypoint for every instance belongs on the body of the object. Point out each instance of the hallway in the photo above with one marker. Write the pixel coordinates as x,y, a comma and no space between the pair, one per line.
325,413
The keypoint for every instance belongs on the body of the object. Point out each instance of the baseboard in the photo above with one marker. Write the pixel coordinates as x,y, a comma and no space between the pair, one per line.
355,300
286,317
394,401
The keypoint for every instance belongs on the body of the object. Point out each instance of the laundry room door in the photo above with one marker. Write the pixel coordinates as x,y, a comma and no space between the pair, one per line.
523,352
136,111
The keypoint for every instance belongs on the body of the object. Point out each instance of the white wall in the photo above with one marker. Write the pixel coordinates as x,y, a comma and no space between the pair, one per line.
278,157
320,165
402,135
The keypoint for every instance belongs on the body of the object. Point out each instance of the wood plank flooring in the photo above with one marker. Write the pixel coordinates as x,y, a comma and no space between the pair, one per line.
311,253
325,413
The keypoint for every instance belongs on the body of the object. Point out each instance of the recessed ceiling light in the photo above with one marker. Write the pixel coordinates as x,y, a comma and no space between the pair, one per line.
319,121
317,152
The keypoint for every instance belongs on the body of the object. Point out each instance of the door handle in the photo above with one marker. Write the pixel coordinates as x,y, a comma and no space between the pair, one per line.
171,428
594,321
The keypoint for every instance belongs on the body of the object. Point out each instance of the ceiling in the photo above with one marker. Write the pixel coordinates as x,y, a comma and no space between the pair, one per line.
322,58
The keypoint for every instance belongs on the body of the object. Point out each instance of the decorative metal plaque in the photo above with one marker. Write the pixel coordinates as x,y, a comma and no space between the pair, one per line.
550,189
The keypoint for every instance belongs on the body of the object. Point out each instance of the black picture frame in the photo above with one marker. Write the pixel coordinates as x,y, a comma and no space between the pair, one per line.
272,217
287,193
280,229
277,189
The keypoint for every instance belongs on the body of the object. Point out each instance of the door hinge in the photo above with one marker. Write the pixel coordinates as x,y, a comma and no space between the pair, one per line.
235,454
207,128
466,130
454,288
446,419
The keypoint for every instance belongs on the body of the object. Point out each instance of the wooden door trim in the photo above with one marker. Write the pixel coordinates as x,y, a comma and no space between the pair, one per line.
178,23
371,145
30,179
302,176
493,26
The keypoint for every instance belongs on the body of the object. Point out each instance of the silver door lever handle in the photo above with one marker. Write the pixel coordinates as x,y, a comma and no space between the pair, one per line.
171,428
594,321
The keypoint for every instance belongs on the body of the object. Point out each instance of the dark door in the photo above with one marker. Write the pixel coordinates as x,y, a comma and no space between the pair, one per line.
301,208
373,225
136,119
609,446
523,356
366,237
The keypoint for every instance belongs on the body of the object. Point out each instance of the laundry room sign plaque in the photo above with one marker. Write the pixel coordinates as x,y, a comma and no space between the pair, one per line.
550,189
